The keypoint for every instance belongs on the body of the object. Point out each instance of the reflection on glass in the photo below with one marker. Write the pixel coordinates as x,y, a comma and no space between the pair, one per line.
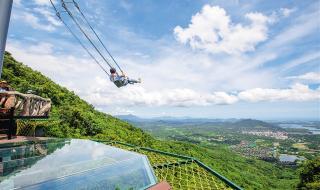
74,164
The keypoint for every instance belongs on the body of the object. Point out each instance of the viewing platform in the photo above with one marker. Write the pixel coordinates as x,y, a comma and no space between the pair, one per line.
52,163
24,105
15,105
21,139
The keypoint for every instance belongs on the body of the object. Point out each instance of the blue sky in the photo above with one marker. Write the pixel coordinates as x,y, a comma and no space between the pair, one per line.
218,59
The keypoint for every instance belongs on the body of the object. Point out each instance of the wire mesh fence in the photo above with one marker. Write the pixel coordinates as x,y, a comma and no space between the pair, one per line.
26,128
189,176
30,128
179,172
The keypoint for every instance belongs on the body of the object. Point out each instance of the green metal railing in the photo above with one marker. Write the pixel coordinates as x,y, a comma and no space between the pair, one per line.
185,160
182,172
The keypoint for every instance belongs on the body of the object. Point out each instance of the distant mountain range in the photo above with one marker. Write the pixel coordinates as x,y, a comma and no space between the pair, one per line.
135,118
230,123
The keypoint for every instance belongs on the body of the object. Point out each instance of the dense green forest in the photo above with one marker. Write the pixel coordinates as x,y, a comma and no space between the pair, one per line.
73,117
310,175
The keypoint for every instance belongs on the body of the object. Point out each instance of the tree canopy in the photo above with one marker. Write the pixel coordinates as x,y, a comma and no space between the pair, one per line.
310,175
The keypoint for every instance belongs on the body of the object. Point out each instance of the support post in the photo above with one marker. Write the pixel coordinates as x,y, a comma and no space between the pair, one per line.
5,12
12,124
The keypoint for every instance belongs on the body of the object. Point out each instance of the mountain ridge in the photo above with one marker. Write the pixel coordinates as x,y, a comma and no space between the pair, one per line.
234,123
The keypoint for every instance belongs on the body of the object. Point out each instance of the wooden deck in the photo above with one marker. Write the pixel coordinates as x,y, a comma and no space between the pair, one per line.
18,139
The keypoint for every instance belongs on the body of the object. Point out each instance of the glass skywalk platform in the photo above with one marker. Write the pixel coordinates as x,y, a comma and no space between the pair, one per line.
85,164
73,164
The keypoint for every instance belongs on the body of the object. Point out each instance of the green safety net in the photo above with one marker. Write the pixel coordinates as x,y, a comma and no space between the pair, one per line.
179,172
26,128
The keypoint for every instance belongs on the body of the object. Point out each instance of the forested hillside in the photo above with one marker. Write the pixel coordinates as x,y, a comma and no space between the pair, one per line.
73,117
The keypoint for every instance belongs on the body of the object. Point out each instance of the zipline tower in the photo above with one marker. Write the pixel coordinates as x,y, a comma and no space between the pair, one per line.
5,12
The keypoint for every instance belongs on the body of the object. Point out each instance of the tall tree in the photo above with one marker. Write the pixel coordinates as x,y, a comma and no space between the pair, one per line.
310,175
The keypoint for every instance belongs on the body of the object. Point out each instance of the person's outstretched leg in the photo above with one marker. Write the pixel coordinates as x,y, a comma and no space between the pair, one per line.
132,81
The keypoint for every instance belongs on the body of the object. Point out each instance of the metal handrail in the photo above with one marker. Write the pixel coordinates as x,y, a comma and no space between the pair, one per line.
213,172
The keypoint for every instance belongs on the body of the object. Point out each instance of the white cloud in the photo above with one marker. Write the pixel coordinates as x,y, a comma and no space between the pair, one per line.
286,11
297,92
72,72
41,48
43,2
301,26
117,110
212,30
175,76
33,21
17,3
67,70
302,60
284,44
49,15
125,5
41,17
310,76
281,13
137,95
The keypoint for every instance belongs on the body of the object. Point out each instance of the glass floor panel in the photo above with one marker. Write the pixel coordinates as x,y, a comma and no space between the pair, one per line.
73,164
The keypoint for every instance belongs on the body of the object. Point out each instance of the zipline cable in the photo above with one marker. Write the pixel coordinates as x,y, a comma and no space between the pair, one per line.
75,36
84,33
85,18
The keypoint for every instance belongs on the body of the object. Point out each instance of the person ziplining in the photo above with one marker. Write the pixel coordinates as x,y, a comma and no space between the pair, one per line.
119,80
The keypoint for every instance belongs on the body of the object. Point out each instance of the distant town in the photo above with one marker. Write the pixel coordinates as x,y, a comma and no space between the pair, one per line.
276,135
276,142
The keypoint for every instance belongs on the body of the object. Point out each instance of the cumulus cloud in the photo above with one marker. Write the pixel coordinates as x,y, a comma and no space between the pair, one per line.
297,92
71,71
175,77
212,30
139,96
310,76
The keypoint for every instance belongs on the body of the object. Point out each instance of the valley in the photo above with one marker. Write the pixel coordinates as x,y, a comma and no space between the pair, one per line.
272,141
